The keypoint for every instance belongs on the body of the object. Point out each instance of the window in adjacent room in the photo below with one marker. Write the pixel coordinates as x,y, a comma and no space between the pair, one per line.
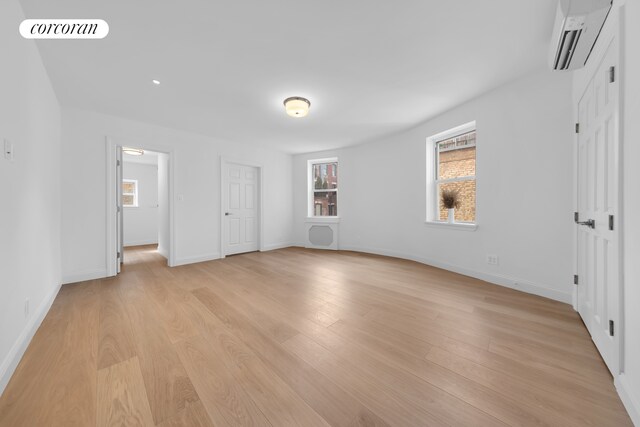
451,165
130,193
323,187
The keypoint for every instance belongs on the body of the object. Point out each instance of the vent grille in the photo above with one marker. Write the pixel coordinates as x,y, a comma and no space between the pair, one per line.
566,49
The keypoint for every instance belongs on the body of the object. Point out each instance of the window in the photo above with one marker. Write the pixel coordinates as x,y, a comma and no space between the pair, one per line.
451,158
130,193
323,187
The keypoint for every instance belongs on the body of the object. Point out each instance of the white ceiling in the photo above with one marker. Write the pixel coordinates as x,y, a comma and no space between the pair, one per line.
369,67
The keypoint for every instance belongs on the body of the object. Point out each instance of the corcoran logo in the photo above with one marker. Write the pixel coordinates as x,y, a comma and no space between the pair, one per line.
64,29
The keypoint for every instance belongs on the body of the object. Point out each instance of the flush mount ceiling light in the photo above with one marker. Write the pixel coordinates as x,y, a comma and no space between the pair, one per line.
155,82
132,151
297,106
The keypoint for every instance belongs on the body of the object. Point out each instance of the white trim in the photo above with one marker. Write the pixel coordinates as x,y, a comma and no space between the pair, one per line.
10,362
323,219
260,168
630,400
466,226
141,242
497,279
197,258
453,132
83,275
111,143
274,246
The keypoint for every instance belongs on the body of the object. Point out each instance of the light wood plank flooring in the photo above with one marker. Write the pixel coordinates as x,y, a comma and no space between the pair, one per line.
297,337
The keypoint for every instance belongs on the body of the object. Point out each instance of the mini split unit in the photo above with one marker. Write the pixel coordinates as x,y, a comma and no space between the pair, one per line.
578,24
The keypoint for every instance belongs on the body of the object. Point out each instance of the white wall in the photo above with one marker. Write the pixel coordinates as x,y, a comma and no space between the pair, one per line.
29,191
197,183
524,179
141,222
163,202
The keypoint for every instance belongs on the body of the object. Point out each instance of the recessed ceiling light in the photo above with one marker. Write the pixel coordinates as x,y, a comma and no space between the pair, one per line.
132,151
297,106
156,82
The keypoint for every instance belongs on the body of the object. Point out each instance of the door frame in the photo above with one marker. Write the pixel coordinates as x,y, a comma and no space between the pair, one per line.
223,192
111,239
613,29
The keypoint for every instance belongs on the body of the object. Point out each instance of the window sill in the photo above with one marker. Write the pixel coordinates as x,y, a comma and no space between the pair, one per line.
466,226
323,219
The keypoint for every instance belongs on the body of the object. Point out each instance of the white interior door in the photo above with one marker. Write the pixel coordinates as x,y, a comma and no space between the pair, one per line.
119,211
598,201
240,208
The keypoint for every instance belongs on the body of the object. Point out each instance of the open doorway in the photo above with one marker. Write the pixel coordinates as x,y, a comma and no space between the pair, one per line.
145,204
139,211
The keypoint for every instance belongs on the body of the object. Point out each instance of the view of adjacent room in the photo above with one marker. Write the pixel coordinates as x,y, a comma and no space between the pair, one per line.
317,213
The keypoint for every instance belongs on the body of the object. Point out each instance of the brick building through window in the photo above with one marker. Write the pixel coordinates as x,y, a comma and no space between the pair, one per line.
451,165
324,185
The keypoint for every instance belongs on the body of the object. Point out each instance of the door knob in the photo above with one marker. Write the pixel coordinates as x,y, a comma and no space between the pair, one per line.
227,213
589,223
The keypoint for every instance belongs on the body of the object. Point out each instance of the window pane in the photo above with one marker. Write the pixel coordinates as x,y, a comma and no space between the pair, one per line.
325,175
457,157
466,211
127,200
325,203
128,187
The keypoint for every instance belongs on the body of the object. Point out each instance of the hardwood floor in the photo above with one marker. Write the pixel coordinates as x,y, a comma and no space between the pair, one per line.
296,337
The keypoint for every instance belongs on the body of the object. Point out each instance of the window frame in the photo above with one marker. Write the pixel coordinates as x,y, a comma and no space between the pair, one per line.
134,194
311,213
433,173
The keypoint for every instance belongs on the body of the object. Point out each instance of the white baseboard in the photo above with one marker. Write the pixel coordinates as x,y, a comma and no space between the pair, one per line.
10,362
141,243
81,276
197,258
629,398
163,251
497,279
274,246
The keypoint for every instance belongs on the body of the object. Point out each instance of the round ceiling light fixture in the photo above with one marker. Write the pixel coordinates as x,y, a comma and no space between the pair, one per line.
297,106
132,151
155,82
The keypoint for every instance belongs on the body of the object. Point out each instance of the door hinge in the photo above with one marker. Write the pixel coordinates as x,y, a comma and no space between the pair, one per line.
612,74
576,217
118,208
117,162
611,222
577,127
575,279
611,328
118,255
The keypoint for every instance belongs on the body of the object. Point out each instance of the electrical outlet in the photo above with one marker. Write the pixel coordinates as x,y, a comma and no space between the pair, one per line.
26,308
8,150
492,259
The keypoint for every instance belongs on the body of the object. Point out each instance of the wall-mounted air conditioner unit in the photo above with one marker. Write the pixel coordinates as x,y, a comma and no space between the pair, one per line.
578,24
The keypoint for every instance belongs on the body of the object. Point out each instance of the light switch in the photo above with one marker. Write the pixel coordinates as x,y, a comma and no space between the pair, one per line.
8,150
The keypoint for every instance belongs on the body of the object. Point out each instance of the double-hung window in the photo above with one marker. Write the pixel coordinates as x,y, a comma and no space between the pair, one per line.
451,166
130,193
323,188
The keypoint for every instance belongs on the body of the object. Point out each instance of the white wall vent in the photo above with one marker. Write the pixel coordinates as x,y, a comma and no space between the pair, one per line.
322,235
